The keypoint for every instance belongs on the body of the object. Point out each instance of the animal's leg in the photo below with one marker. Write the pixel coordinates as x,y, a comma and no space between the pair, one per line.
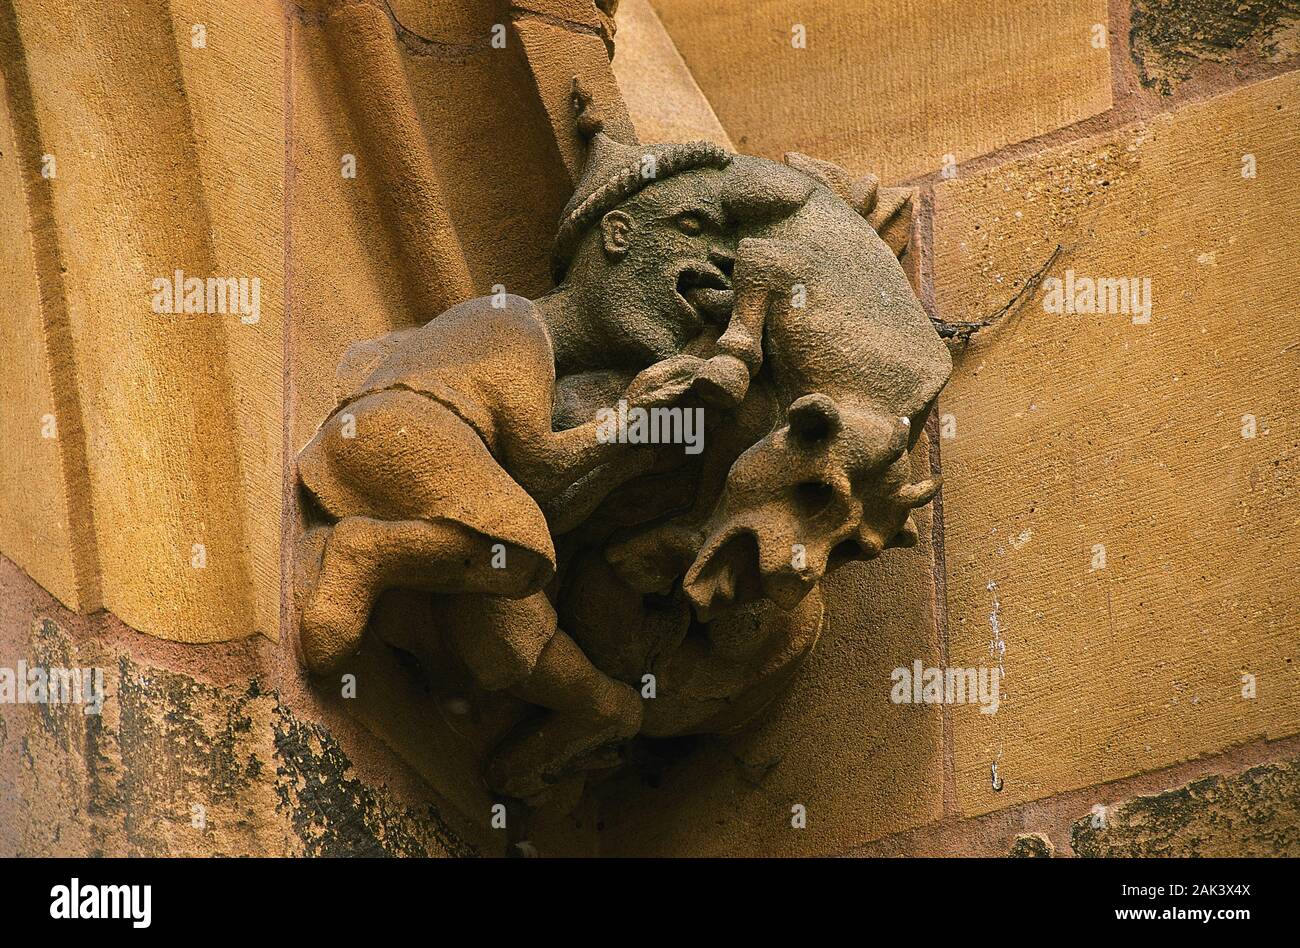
362,557
568,473
540,459
765,270
589,712
576,504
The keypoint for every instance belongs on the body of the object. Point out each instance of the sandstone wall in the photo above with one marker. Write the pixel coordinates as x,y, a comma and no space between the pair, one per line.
1119,524
371,164
1117,133
147,444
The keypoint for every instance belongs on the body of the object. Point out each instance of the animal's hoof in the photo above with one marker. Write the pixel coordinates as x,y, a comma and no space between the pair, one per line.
652,561
723,382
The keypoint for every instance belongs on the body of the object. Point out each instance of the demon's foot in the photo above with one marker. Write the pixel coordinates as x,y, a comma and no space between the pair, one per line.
534,760
332,598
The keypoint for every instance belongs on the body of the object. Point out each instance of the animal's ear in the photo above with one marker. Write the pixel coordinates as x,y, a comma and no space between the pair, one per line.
814,418
889,211
892,217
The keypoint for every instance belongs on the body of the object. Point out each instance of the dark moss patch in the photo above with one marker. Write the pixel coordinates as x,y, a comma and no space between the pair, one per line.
180,767
51,649
1031,846
1254,813
175,731
1170,38
337,815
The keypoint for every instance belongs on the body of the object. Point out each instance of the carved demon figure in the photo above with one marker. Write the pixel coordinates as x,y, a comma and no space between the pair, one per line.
465,458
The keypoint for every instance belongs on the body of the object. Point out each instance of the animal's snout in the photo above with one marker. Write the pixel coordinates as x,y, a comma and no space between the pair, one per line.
812,497
787,587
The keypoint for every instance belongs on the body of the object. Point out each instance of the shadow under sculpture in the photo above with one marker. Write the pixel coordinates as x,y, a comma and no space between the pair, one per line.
633,484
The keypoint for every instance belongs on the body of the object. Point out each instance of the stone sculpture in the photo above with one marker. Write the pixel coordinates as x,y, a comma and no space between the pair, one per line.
568,564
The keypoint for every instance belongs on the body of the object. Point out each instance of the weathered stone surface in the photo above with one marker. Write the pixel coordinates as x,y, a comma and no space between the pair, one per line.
662,98
468,457
335,814
556,56
353,277
179,418
174,767
1031,846
1075,432
1071,430
582,15
892,88
861,766
42,467
1255,813
1169,39
233,88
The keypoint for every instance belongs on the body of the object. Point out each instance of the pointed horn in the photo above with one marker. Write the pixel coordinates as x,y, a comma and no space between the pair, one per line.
859,192
825,172
888,210
920,493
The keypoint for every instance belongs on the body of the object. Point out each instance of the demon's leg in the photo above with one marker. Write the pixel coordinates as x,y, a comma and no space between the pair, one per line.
588,711
343,568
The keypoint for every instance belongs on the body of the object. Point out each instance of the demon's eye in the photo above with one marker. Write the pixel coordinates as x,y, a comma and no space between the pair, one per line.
690,224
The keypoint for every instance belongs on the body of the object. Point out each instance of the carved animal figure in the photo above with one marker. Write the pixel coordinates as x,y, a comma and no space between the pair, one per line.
442,469
462,450
824,311
832,483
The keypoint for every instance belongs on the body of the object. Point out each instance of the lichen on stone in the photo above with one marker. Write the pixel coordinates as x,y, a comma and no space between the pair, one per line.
334,814
178,767
1170,38
1254,813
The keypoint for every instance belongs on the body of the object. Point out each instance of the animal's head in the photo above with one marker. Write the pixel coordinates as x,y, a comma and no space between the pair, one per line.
831,485
855,358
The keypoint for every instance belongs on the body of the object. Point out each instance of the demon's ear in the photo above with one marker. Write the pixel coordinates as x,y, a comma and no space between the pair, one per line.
616,233
888,210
